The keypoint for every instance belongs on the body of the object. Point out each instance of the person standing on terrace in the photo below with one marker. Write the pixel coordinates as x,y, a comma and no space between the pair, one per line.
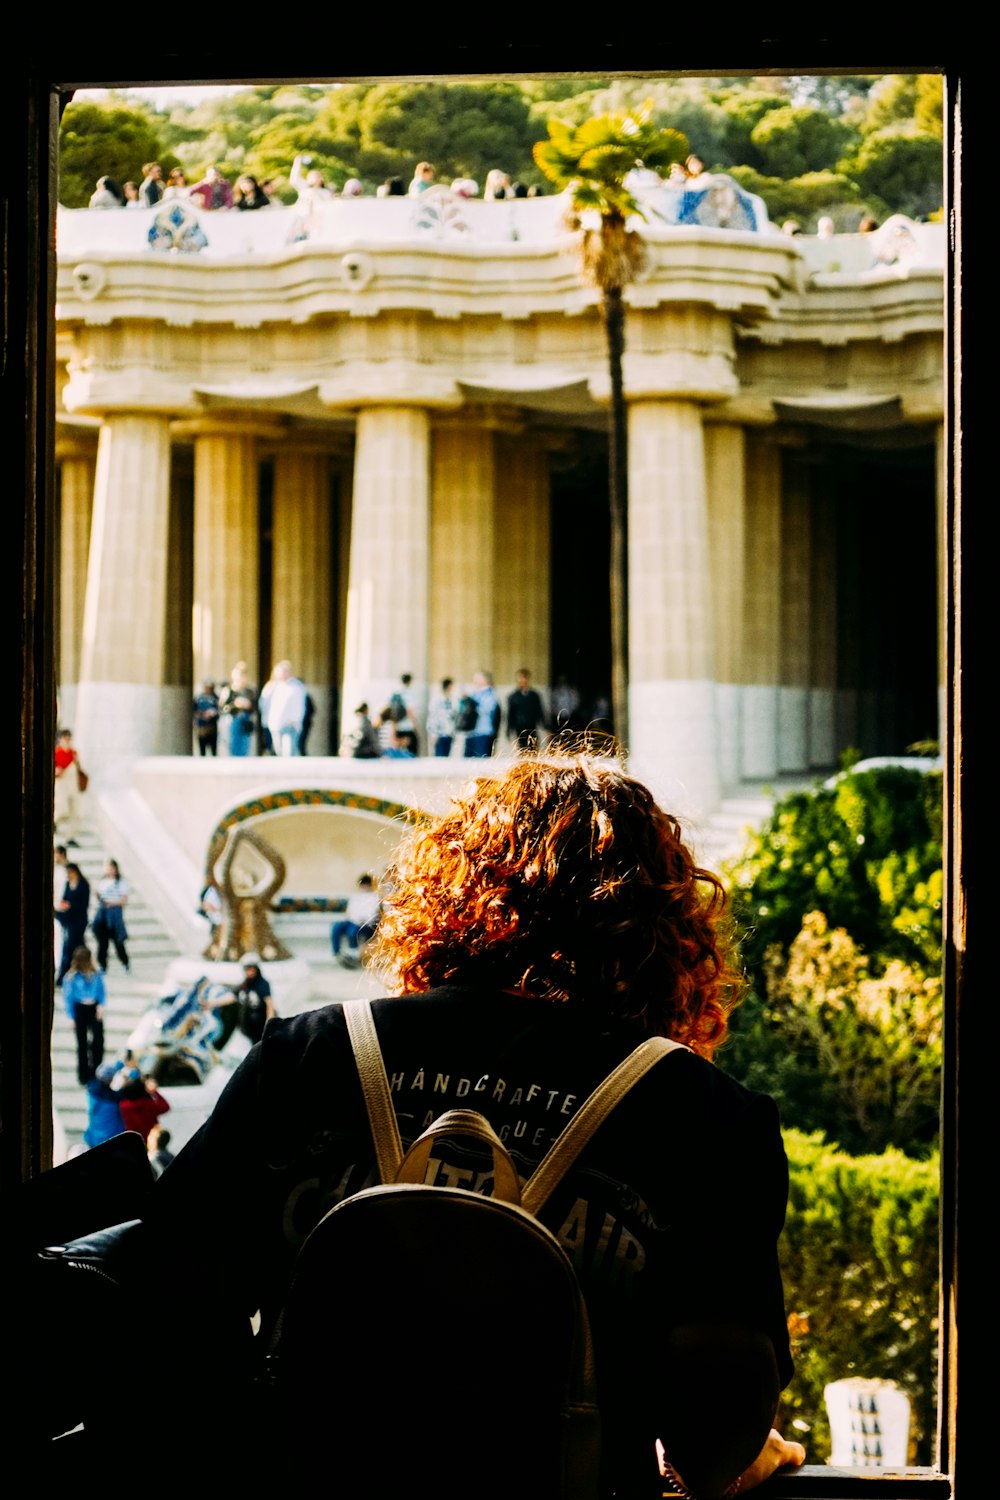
151,189
107,194
238,701
213,191
309,183
249,194
177,186
423,178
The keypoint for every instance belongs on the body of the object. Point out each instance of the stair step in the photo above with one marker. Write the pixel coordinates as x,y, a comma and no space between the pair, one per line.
151,951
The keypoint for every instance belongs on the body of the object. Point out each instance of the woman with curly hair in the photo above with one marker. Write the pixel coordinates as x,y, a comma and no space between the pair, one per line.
532,935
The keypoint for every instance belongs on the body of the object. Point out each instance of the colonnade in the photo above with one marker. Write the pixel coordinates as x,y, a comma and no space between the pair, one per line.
437,562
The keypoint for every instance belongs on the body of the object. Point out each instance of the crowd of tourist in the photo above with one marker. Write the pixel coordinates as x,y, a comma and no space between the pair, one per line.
469,721
236,718
312,188
276,720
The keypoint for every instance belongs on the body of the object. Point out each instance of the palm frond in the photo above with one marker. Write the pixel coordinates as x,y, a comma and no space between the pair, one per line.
590,162
558,165
607,161
663,148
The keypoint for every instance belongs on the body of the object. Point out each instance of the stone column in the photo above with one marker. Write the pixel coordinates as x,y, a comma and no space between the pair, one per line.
386,631
671,696
796,621
121,673
225,616
302,606
175,723
522,608
344,472
761,609
463,543
823,674
725,469
850,611
75,456
941,532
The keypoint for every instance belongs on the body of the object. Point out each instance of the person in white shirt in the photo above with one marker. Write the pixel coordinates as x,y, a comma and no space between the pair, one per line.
283,709
357,926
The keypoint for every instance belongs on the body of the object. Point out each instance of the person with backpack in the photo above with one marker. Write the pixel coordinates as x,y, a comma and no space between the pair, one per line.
479,745
533,935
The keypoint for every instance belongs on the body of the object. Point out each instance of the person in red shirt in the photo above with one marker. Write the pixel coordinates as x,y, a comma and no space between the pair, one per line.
140,1102
67,785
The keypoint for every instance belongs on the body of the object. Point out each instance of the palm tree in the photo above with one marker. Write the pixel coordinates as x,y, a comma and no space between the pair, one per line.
591,163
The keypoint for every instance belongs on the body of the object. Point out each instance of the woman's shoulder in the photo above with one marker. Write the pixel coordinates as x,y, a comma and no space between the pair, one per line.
466,1019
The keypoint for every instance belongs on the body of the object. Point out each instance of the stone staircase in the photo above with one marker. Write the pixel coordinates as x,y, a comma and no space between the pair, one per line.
724,834
150,950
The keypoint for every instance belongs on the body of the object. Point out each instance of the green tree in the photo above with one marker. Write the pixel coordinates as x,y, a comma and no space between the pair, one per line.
928,109
859,1262
840,94
892,101
900,167
797,139
590,164
464,129
104,140
743,110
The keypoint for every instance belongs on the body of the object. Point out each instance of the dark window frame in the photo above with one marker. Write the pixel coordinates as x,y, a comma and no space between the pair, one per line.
32,104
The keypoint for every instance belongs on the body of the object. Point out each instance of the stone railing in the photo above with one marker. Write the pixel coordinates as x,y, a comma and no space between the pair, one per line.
181,226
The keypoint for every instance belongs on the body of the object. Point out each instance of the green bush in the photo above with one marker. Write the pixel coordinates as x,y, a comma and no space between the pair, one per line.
837,901
859,1262
866,852
854,1055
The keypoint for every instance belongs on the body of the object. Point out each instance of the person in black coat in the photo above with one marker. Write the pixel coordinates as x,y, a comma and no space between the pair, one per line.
524,713
71,914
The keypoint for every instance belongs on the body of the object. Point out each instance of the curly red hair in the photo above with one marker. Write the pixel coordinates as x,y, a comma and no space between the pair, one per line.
562,877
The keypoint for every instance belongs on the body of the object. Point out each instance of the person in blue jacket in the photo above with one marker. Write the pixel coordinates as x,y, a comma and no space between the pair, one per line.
104,1116
84,997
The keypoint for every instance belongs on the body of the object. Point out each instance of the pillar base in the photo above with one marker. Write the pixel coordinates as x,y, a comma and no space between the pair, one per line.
729,718
822,735
175,720
793,728
760,732
673,744
117,721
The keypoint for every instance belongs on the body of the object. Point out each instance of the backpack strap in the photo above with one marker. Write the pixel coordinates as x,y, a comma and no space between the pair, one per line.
467,1122
591,1114
378,1099
564,1150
